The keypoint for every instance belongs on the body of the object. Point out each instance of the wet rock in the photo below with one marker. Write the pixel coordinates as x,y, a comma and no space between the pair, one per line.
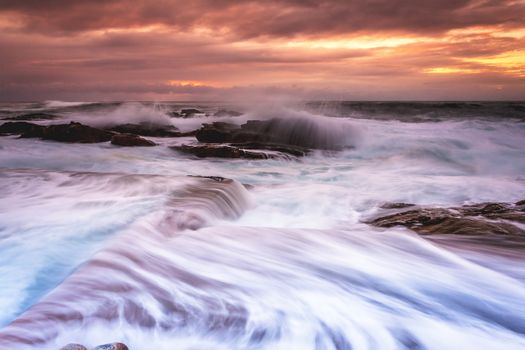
475,220
73,347
296,132
217,132
129,140
222,151
396,205
71,133
174,114
147,129
20,128
295,151
34,116
112,346
226,113
189,112
520,202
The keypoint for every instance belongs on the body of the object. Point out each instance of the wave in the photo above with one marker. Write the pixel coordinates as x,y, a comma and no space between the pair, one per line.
61,104
226,287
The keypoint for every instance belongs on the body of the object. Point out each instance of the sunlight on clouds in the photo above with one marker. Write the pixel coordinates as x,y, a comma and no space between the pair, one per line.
189,83
510,62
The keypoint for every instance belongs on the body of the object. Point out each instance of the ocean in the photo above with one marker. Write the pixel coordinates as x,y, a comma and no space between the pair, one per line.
160,249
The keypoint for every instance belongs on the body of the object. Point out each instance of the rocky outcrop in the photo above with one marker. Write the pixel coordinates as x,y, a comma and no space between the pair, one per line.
129,140
304,133
72,133
18,128
147,129
474,220
217,132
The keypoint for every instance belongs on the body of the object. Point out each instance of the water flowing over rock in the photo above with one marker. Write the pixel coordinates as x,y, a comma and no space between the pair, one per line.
130,140
189,112
147,129
113,346
73,347
302,132
223,151
475,220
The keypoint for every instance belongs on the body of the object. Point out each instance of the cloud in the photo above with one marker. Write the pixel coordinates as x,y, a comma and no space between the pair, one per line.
272,18
374,49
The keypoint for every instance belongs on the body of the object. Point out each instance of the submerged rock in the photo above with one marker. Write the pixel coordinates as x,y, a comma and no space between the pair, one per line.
73,347
130,140
479,219
222,151
147,129
113,346
72,133
189,112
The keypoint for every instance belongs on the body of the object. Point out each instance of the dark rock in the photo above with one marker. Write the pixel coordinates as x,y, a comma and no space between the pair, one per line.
34,116
288,149
522,202
217,132
73,347
396,205
72,133
475,220
147,129
174,114
130,140
21,127
113,346
226,113
222,151
189,112
295,132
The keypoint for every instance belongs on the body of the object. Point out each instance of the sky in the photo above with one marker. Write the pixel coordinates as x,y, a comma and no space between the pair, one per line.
78,50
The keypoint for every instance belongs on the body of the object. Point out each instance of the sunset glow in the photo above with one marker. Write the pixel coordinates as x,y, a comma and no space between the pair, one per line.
350,50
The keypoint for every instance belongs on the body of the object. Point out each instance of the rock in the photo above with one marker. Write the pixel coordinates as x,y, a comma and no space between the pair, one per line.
288,149
20,128
72,133
222,151
475,220
189,112
396,205
226,113
34,116
174,114
522,202
295,132
130,140
217,132
147,129
112,346
73,347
